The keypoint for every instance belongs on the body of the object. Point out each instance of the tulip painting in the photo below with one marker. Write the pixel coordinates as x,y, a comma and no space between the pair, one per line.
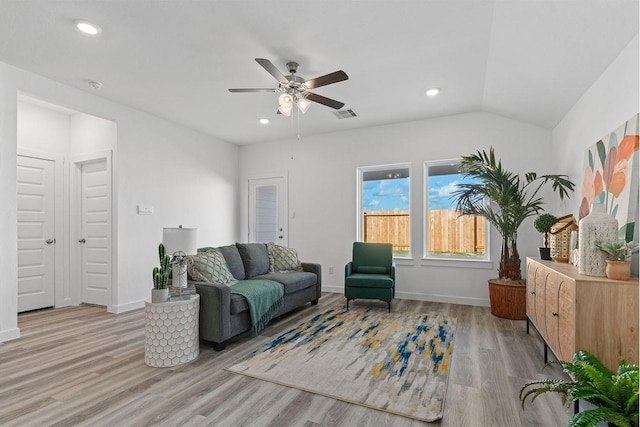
611,176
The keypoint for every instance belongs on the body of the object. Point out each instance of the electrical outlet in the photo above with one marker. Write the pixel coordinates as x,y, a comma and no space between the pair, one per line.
330,270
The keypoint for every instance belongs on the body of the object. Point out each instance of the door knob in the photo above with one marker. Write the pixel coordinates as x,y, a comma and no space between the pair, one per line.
279,237
50,241
82,240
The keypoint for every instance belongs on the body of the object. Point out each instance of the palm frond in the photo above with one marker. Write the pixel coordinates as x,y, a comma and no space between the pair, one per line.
504,199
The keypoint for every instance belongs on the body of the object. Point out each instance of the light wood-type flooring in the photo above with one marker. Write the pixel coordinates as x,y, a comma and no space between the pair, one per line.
84,366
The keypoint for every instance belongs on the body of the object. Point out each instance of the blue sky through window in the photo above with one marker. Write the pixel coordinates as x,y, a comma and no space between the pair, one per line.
393,194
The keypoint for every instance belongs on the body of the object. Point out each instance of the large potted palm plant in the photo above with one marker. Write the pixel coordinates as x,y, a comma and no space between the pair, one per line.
505,200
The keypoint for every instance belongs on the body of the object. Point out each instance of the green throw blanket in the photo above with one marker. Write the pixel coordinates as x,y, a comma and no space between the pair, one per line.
265,298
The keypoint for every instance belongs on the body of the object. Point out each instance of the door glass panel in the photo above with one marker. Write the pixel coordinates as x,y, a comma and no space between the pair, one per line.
266,213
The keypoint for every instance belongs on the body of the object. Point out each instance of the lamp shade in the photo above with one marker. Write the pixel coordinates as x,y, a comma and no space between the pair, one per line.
180,239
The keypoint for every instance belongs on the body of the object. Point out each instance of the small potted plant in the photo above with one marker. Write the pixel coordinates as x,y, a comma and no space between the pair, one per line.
543,224
160,291
615,395
618,258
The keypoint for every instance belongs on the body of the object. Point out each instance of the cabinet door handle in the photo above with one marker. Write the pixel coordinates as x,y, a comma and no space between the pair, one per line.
533,292
554,314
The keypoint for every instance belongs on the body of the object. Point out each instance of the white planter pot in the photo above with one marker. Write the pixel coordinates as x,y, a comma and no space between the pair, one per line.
159,295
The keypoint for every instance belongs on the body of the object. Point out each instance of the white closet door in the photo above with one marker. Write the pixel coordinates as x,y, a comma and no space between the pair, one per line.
36,233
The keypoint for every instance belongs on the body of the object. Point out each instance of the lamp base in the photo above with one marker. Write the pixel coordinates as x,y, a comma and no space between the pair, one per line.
179,276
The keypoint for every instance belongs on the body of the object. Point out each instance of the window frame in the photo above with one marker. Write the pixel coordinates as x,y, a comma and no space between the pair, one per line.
429,259
360,171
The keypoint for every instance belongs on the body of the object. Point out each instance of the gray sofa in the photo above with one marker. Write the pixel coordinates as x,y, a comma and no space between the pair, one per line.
224,315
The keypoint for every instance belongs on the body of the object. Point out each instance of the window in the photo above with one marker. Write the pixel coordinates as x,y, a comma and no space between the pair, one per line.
384,206
446,234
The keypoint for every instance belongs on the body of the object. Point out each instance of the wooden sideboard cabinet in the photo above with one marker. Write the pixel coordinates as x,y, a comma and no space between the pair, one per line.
575,312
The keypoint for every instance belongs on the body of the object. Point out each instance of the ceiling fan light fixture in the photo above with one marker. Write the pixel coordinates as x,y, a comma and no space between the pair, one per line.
303,104
285,100
285,110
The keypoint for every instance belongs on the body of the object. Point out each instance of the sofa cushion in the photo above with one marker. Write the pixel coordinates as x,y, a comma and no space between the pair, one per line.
282,258
210,266
238,304
234,260
255,258
292,281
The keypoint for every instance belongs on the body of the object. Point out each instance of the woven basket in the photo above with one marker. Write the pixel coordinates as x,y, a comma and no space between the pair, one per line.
560,237
508,299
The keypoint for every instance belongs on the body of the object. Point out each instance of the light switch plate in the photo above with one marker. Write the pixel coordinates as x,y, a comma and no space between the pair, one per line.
145,210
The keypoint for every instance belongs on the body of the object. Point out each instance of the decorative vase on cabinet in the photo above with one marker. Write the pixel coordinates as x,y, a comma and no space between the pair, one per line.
598,226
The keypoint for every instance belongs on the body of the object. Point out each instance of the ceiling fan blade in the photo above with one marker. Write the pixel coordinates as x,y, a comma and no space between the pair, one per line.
327,79
324,100
253,90
271,69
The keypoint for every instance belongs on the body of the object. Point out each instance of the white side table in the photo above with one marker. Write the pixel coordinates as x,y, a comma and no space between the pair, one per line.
171,332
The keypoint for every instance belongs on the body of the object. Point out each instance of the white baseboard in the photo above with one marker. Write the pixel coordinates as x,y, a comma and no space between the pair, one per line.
9,335
125,307
482,302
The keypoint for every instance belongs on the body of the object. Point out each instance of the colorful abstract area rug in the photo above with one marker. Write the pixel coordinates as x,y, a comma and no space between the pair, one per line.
394,362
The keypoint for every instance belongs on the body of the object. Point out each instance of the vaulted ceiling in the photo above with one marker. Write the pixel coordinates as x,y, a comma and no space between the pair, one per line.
523,59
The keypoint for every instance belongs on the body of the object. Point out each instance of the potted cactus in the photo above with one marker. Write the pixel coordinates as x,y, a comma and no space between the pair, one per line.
543,224
160,291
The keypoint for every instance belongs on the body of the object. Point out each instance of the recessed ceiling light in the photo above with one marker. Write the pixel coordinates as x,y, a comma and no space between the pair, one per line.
433,91
88,28
264,121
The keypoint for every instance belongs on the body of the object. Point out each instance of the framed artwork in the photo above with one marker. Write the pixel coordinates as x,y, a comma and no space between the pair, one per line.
611,176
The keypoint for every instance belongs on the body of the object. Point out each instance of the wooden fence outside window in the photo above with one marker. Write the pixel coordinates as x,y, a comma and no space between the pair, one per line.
447,233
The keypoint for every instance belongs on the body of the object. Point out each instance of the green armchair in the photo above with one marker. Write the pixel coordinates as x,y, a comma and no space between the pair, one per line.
371,274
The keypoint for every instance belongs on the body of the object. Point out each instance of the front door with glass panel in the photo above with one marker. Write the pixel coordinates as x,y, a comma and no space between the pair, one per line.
268,211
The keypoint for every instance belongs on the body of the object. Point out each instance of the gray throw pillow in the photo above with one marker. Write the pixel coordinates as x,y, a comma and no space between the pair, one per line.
254,257
234,261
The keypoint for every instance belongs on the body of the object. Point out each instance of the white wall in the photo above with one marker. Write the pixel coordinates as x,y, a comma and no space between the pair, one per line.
322,193
610,101
201,192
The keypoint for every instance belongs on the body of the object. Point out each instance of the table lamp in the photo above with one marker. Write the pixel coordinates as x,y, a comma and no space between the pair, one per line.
180,243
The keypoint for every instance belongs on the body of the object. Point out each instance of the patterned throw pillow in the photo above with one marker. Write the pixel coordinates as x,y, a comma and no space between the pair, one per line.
282,258
210,266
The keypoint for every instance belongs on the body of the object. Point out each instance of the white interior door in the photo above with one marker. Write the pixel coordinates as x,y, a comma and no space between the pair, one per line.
95,235
36,233
268,211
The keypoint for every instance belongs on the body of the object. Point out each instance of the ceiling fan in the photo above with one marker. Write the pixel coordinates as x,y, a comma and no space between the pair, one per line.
295,90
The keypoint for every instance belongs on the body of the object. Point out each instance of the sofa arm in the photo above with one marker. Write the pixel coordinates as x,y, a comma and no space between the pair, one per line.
215,311
317,269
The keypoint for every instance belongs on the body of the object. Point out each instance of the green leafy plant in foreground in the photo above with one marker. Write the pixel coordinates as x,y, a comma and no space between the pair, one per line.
615,395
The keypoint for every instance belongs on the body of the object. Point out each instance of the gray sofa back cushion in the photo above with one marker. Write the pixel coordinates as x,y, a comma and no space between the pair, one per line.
254,257
234,261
